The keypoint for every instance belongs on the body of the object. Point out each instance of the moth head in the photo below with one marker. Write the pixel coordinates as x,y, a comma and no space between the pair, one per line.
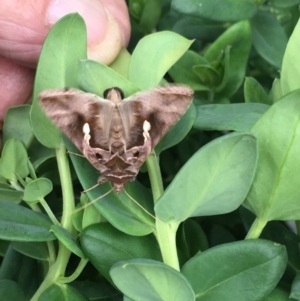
114,94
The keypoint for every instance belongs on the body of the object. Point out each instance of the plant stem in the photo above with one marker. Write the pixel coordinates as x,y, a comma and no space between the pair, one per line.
83,262
59,267
49,212
165,233
256,228
155,176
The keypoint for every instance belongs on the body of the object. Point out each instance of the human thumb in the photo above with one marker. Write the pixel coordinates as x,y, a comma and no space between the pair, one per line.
24,25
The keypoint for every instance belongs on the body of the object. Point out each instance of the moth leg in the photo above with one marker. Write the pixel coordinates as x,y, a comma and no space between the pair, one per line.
91,188
86,130
146,128
79,155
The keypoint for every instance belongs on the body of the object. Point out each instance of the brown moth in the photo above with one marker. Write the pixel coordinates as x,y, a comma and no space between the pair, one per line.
116,135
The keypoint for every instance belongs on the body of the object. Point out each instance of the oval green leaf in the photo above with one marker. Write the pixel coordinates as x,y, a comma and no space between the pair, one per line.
64,46
265,27
67,239
105,245
17,125
149,280
61,292
215,180
178,131
10,290
36,250
231,117
37,189
278,295
22,224
14,160
238,37
295,290
95,78
254,92
274,194
240,271
290,71
225,11
182,71
10,195
153,57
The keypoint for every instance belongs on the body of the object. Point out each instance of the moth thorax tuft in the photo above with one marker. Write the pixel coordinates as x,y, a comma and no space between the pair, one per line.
115,95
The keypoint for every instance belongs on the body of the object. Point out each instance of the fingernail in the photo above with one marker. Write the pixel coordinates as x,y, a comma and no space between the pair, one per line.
92,12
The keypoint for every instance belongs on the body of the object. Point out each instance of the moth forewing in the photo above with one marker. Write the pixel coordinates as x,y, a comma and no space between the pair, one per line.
116,136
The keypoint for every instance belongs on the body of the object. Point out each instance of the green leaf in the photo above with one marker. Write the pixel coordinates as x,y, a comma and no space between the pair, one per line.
90,214
150,15
290,71
275,92
231,117
149,280
208,75
178,131
196,28
95,77
11,291
67,239
295,290
225,11
119,209
10,195
10,265
105,245
61,292
182,71
153,57
274,194
191,238
121,63
219,235
238,37
22,224
136,8
254,92
278,295
36,250
64,46
98,291
285,3
37,189
278,232
14,160
241,271
215,180
265,27
17,125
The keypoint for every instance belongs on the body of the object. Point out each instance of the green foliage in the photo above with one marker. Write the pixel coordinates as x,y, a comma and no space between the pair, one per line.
198,239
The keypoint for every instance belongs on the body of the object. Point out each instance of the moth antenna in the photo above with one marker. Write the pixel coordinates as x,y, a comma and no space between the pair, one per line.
79,155
92,202
139,204
91,188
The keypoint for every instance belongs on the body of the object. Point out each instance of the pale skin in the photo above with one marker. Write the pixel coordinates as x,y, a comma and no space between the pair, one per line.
24,25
